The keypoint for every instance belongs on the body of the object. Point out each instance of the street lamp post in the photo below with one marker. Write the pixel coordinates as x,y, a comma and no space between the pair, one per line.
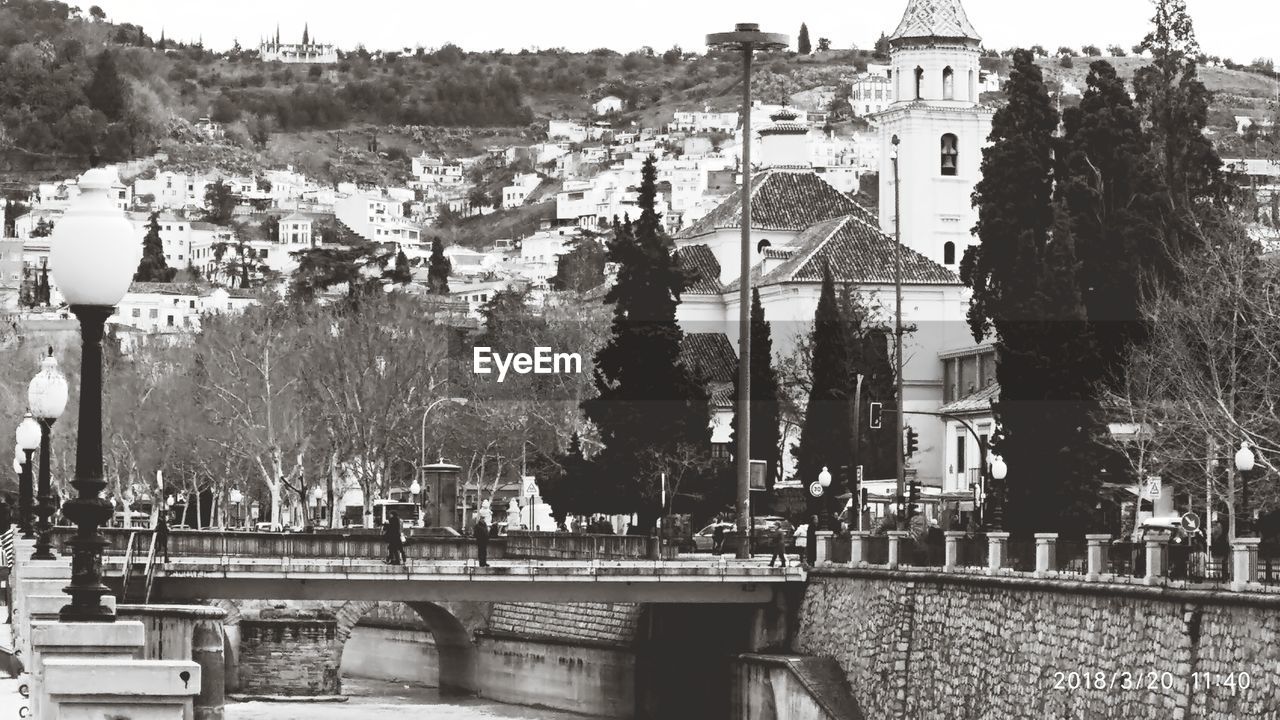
897,328
1244,465
28,437
747,38
236,498
422,444
47,398
94,251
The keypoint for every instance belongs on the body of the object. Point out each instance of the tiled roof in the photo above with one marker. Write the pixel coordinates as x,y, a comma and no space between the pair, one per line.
702,269
857,251
935,19
167,288
710,357
975,402
780,200
723,397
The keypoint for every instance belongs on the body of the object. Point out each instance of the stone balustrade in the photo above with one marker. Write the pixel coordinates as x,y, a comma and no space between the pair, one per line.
1152,564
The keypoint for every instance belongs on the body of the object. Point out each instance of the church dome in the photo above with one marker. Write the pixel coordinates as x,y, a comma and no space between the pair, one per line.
934,19
784,123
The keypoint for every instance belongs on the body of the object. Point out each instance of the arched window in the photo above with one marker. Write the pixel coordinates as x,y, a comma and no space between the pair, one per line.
949,253
919,81
950,154
973,87
948,83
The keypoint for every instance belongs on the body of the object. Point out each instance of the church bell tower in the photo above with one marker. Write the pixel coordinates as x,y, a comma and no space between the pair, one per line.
941,130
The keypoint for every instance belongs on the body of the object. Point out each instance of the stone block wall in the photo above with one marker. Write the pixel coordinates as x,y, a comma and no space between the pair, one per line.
611,623
284,655
931,645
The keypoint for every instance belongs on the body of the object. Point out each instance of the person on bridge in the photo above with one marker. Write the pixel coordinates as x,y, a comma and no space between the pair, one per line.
162,536
811,541
482,533
392,531
781,532
482,540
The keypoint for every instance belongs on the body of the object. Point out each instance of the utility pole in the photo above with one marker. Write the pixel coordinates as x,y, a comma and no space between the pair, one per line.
747,38
897,326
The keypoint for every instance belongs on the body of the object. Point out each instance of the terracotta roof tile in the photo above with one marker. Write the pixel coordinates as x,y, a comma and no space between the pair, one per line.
780,200
709,356
974,402
702,269
858,252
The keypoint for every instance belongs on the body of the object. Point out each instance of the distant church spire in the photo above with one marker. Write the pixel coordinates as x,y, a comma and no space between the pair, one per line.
306,36
277,33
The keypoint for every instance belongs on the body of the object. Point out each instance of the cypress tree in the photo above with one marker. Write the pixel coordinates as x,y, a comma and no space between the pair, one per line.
803,45
153,267
1110,187
1023,275
438,269
649,405
825,434
765,413
868,351
106,91
401,274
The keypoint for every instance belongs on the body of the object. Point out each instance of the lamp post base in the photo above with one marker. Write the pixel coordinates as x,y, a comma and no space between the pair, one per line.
88,511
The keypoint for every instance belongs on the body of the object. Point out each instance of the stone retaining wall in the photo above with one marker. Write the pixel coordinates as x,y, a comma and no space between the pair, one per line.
289,654
930,645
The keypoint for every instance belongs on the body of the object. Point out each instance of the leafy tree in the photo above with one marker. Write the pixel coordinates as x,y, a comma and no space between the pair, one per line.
219,203
824,437
824,44
1066,62
1039,51
1023,275
1116,51
868,341
650,410
1091,50
1065,51
582,268
438,269
96,13
765,410
360,266
106,91
803,45
153,267
270,228
882,45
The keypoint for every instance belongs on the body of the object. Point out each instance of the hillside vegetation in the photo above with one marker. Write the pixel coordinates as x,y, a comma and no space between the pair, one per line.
77,85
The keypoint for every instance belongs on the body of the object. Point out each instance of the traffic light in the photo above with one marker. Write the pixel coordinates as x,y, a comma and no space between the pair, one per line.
913,499
912,442
866,502
877,415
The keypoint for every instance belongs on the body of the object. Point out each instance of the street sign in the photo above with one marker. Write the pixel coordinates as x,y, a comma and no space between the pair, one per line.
1191,522
815,488
1151,488
759,469
859,476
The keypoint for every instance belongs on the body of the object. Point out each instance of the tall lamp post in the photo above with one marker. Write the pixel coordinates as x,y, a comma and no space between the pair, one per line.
1244,464
94,252
747,38
236,498
47,398
28,437
899,455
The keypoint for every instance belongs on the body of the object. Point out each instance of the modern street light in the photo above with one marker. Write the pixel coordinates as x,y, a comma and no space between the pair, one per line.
824,478
94,251
747,38
28,437
1244,464
47,398
235,497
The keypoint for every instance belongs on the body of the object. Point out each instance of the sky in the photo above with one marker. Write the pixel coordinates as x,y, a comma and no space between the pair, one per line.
1239,29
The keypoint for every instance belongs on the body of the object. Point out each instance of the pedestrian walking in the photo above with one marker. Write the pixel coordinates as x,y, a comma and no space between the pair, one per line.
482,540
780,534
811,541
6,519
162,536
393,532
717,539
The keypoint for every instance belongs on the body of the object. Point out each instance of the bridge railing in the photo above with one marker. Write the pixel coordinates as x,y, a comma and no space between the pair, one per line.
557,545
336,544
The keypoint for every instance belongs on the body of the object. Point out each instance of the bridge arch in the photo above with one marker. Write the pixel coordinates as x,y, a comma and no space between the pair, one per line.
454,640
